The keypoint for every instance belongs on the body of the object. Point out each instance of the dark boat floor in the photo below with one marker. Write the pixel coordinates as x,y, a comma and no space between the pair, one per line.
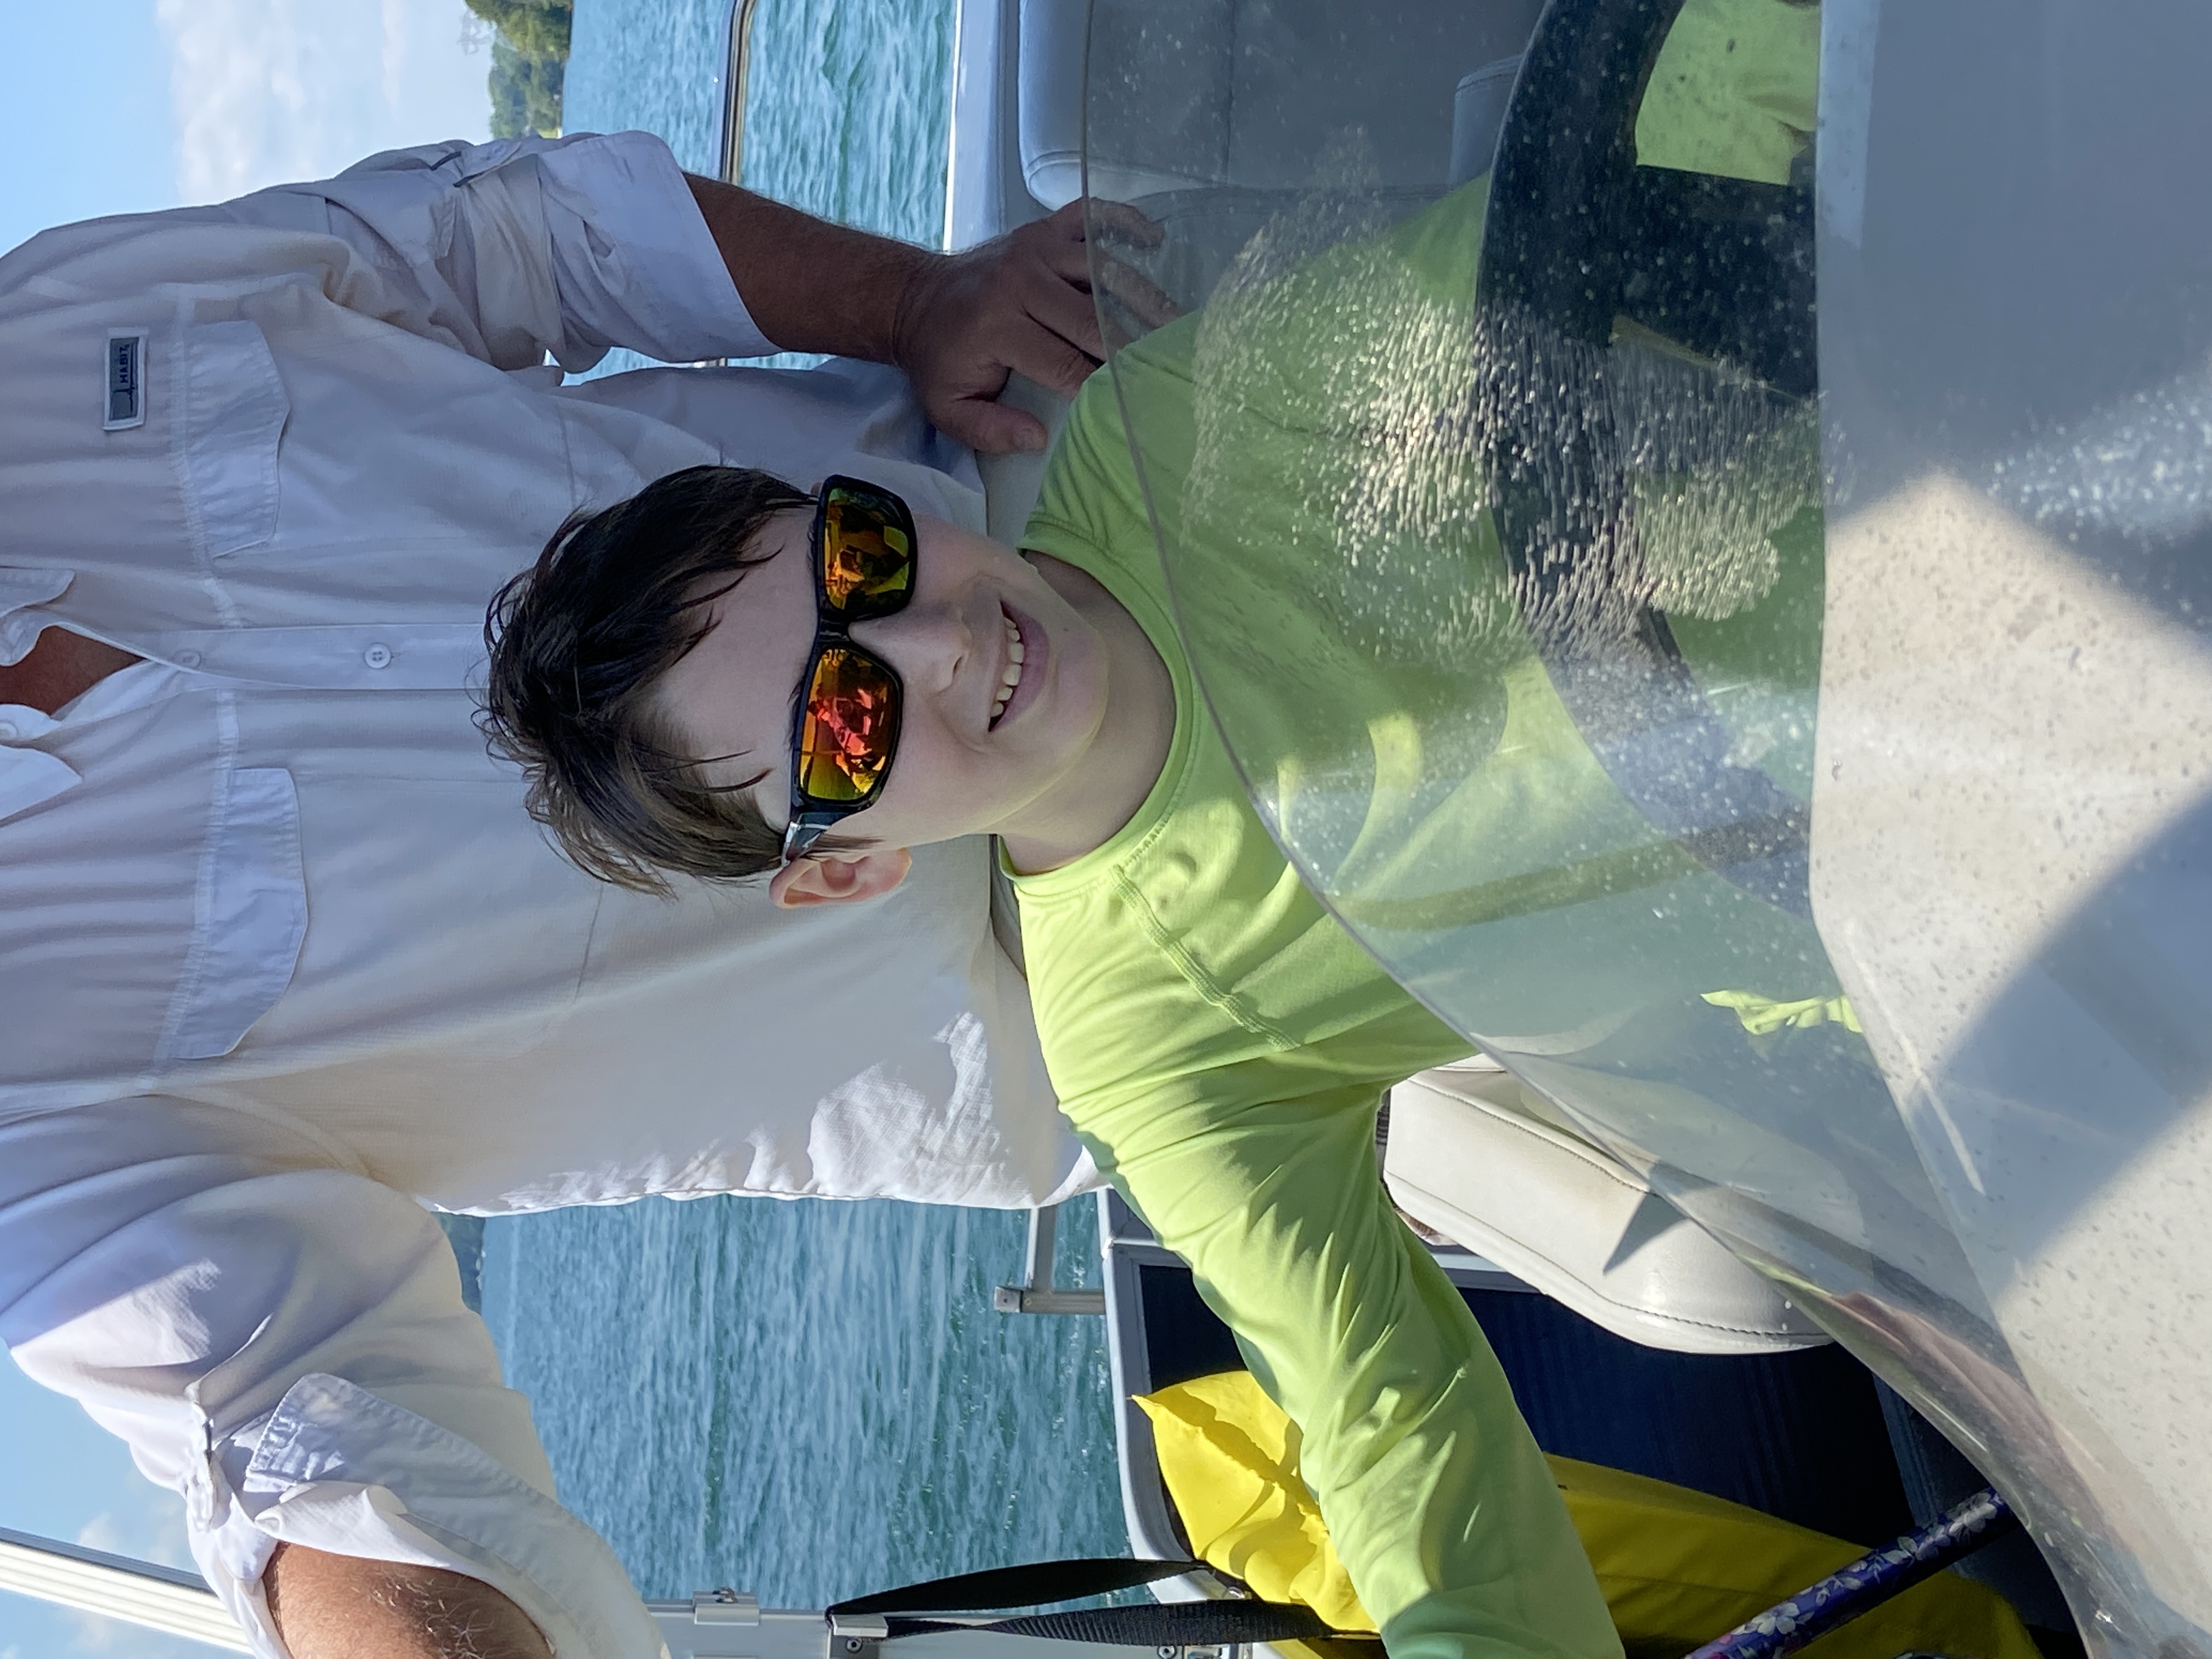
1809,1436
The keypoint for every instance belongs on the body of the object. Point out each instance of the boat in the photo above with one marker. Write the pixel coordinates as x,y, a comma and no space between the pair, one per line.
1887,1190
1880,997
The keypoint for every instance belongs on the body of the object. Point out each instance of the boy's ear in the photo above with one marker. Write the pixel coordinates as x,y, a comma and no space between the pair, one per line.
840,878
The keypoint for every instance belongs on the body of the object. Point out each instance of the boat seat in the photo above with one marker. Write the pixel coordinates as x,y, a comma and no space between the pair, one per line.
1181,96
1474,1156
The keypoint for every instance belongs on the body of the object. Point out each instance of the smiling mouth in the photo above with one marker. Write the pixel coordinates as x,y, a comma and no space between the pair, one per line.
1010,678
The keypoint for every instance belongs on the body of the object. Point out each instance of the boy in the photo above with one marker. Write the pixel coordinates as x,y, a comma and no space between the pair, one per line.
724,678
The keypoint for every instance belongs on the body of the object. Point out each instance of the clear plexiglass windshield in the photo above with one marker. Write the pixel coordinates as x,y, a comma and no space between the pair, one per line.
1692,520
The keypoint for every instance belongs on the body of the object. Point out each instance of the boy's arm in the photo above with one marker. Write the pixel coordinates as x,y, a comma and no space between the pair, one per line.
1439,1504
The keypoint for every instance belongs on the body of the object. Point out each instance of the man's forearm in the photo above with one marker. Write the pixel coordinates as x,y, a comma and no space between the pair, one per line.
810,285
339,1607
957,323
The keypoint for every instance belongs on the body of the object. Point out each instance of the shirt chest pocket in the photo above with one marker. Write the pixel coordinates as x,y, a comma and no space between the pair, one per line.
250,917
232,415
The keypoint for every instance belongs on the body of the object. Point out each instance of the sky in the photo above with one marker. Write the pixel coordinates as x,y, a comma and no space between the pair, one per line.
123,105
126,106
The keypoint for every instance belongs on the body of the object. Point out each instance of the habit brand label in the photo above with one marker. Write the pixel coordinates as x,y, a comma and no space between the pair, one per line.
126,379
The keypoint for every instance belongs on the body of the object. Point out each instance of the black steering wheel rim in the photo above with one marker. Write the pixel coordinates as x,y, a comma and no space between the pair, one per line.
1578,239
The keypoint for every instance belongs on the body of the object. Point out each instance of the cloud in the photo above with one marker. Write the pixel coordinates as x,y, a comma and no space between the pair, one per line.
149,1526
266,91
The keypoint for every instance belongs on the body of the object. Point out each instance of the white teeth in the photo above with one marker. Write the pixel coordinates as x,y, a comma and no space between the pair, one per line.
1011,675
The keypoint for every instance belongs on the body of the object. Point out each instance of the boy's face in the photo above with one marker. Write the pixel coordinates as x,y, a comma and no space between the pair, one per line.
966,763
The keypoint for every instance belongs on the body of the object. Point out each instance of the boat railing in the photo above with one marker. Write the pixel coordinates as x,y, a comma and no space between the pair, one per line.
1037,1293
710,1624
166,1599
984,191
736,57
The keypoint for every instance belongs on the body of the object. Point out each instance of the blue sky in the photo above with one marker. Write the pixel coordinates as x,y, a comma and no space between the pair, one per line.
63,1477
124,107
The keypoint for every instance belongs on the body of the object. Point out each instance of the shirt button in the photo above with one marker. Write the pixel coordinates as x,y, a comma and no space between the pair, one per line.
188,660
378,656
7,731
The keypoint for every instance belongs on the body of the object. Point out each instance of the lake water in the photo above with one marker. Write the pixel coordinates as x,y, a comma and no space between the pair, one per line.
806,1401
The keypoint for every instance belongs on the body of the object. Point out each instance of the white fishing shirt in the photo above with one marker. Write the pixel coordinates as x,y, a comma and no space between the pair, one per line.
281,954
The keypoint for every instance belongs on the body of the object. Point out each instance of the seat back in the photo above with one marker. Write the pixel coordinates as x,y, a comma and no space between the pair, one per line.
1181,97
1474,1156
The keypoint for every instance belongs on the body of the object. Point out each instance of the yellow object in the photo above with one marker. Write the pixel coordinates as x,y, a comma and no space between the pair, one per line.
1732,92
1762,1015
1677,1567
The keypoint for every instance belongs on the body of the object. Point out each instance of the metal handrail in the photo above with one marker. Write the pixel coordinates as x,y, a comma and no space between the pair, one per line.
737,63
1037,1293
164,1598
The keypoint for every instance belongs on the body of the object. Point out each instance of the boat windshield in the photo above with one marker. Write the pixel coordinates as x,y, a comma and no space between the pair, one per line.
1693,519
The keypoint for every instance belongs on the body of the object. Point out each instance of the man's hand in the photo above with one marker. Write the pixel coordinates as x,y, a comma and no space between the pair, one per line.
957,324
336,1607
1021,303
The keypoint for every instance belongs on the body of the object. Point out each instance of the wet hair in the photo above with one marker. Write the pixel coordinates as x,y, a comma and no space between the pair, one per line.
579,644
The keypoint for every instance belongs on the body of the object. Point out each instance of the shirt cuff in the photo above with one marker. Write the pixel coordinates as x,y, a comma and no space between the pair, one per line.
335,1468
634,260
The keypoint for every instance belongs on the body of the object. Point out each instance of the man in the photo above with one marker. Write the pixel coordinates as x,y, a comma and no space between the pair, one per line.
281,954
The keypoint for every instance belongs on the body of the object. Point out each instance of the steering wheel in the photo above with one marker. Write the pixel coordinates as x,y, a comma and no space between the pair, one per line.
1580,239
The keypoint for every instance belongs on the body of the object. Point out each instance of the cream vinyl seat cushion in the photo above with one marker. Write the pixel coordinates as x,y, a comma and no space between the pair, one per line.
1474,1157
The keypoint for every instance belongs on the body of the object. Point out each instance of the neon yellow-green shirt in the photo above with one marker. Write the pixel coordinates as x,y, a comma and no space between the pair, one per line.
1221,1044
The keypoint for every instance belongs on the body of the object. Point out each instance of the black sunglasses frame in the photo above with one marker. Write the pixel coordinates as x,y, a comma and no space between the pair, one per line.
813,817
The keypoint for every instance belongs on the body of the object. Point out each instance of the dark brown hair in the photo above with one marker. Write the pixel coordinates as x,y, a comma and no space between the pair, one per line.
579,643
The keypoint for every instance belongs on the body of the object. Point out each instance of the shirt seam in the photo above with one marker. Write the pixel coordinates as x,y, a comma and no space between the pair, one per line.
1203,982
195,966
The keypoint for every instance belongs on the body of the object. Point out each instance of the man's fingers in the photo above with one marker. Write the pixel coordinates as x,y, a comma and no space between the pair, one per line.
1147,300
1116,219
1090,264
1026,304
990,429
1069,313
1047,358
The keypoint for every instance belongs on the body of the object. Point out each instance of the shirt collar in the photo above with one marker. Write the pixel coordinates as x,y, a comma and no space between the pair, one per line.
28,777
22,587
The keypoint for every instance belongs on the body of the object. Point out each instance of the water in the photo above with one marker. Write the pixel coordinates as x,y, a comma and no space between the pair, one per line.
807,1401
847,109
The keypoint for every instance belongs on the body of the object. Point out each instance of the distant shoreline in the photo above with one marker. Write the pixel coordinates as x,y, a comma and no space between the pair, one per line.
529,62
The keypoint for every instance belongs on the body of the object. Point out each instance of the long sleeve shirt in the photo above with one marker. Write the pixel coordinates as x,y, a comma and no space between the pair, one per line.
282,957
1216,1037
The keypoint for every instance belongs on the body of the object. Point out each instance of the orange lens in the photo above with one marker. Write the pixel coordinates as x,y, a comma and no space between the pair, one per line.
867,554
851,722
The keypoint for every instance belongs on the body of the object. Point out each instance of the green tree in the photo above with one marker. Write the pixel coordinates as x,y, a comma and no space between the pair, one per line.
529,58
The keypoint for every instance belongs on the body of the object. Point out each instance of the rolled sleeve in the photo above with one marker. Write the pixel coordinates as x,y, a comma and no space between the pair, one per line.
636,262
284,1344
529,247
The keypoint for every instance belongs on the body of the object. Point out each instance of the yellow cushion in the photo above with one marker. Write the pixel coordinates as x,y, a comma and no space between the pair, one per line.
1677,1567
